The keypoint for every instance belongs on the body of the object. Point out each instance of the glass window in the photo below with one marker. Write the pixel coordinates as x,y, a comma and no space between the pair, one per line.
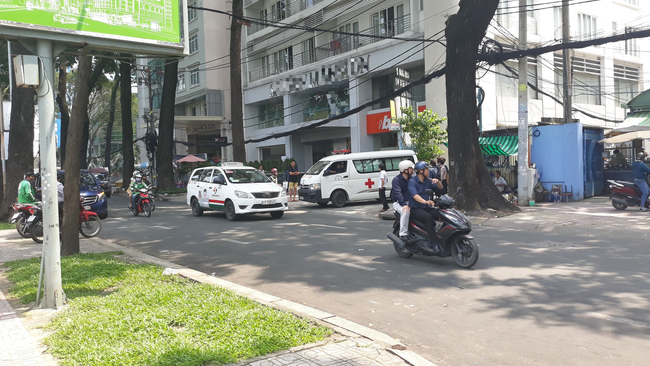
181,83
317,168
87,179
194,77
196,175
194,43
206,176
192,14
246,176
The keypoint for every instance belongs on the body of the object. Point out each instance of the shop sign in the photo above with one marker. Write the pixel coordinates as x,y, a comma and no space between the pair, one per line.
221,140
378,123
208,127
421,108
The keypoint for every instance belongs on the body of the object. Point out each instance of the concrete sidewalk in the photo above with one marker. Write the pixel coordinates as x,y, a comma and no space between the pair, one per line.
352,343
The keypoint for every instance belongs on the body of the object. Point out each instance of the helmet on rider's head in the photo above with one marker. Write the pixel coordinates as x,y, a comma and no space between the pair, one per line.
404,165
420,166
640,156
136,172
274,170
138,177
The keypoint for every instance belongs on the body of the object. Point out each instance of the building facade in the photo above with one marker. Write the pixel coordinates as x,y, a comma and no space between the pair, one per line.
295,78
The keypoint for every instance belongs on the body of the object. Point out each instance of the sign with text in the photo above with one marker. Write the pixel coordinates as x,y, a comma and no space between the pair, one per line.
221,140
378,123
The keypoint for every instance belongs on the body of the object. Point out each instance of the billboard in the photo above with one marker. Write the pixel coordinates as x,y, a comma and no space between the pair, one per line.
100,22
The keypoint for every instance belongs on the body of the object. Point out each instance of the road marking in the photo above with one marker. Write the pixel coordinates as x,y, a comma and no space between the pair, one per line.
358,266
234,241
618,320
333,227
161,227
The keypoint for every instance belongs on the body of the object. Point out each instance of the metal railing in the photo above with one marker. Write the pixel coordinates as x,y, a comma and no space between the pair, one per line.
291,8
337,46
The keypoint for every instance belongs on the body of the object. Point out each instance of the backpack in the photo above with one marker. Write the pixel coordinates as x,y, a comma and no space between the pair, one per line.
285,176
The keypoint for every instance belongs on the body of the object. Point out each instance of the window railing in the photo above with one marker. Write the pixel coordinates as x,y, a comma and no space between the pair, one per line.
337,46
291,8
633,50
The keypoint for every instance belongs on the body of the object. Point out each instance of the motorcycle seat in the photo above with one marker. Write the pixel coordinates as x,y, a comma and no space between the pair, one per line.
630,185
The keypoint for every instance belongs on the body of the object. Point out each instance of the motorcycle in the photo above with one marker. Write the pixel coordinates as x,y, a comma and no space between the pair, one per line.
625,194
89,223
20,217
142,203
451,239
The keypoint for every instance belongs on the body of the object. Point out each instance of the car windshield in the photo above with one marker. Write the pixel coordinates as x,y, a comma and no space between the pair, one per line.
318,167
246,176
86,179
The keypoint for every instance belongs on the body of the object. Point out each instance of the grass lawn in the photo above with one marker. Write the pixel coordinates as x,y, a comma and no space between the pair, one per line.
132,314
6,226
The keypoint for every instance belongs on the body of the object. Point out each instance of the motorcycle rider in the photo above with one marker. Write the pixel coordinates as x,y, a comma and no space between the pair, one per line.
640,172
422,205
400,196
135,187
26,192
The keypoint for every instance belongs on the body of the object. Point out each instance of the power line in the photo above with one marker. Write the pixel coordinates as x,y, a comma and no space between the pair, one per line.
549,7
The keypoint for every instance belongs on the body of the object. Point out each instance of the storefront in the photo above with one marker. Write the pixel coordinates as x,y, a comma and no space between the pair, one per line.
201,135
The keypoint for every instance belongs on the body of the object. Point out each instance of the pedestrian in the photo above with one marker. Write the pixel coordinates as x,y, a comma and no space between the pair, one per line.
26,192
262,170
294,180
500,182
640,172
433,169
383,181
443,174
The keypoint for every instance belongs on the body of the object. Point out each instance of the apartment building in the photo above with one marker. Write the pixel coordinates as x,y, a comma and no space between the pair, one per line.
202,108
604,77
294,78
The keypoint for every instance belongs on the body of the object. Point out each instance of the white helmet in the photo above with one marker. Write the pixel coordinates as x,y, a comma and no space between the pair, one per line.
135,172
404,165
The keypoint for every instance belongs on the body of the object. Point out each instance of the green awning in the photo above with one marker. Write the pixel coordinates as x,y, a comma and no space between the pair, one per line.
638,119
499,145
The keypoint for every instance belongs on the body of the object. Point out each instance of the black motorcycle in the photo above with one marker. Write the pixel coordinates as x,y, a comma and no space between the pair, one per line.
451,239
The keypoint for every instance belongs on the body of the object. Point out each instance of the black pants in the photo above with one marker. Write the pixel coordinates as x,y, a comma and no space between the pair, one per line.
382,197
444,187
426,215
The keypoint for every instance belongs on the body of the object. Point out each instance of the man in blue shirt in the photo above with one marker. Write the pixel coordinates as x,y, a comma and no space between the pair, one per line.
421,204
640,172
400,196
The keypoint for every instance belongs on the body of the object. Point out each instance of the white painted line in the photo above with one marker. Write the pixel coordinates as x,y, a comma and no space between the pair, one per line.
234,241
358,266
618,320
161,227
333,227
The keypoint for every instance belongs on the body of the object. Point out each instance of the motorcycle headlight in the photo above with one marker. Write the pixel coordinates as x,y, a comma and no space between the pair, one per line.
462,223
283,193
242,194
314,186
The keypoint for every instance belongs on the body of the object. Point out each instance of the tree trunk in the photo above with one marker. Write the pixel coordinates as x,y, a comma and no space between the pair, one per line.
63,105
85,136
70,229
236,94
127,122
165,151
97,71
20,158
467,170
111,119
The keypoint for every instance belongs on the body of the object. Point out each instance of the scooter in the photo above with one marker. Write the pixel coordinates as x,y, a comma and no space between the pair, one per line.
20,217
89,223
142,203
451,239
625,194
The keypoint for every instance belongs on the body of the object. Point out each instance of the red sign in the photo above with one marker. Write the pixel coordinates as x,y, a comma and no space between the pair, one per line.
421,108
378,122
369,183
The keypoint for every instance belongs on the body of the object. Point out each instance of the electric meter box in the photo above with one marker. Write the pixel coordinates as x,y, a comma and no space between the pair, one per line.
26,71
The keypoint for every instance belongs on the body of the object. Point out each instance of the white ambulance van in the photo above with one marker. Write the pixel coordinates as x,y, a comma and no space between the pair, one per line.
235,189
351,177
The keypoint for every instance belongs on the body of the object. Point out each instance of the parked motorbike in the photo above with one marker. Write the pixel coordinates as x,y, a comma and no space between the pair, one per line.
625,194
451,239
142,203
89,223
22,213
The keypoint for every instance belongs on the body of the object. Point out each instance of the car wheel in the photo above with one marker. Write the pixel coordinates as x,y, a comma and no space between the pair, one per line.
338,199
196,208
230,211
277,214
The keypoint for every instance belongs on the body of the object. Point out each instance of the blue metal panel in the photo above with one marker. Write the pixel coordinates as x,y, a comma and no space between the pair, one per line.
593,163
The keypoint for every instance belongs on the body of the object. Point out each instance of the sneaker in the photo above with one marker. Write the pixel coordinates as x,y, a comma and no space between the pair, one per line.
404,238
383,210
644,209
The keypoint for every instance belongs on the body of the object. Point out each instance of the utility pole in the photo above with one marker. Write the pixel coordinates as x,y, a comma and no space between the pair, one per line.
522,158
566,63
236,94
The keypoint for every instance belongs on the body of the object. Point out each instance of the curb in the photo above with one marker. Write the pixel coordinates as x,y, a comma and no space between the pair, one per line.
390,344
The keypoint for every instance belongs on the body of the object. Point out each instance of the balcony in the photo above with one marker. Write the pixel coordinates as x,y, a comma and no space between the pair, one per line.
248,3
291,8
337,46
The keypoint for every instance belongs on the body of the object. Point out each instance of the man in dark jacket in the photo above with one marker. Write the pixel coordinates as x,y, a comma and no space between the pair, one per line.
640,172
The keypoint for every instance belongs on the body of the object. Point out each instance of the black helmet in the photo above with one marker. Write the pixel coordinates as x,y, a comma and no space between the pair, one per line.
640,156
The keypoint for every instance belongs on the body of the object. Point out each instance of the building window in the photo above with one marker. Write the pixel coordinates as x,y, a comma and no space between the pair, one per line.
194,43
279,10
586,26
270,114
388,22
180,86
626,83
586,80
194,77
192,14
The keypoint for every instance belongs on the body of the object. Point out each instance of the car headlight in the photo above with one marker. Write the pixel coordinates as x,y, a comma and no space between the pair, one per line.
457,220
283,193
242,194
314,186
101,196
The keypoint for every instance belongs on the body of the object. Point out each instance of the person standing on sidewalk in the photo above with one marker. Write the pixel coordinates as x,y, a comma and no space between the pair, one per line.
26,192
294,180
383,181
443,174
640,172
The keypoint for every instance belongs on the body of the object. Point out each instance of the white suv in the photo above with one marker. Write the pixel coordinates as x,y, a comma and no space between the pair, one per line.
235,189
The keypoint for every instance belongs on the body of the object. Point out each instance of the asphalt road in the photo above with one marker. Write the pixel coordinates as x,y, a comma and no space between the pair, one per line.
538,296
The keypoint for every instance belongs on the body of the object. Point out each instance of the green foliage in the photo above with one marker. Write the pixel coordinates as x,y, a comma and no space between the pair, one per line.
280,165
131,314
7,226
425,131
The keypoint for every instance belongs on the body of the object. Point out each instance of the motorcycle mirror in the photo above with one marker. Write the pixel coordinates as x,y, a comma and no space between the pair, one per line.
429,192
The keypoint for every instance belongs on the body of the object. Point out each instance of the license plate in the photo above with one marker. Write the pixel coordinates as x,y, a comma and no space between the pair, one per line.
268,202
31,218
86,207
